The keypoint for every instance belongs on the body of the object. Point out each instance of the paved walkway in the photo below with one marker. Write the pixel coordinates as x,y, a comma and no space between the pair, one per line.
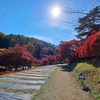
24,85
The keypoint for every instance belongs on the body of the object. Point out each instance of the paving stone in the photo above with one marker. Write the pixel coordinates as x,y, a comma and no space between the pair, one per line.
41,73
30,72
15,96
40,70
23,81
32,75
27,77
20,87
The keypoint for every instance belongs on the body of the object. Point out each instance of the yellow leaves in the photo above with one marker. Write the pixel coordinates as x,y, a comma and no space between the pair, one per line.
2,49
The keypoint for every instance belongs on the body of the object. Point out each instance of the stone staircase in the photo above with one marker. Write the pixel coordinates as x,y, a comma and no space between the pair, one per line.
24,85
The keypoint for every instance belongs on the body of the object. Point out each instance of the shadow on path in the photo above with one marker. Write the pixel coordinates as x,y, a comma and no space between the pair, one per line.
69,67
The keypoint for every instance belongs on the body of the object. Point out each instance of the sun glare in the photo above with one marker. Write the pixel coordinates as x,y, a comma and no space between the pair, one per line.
56,11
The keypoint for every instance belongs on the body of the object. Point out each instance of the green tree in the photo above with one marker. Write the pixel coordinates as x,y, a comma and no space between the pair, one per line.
89,24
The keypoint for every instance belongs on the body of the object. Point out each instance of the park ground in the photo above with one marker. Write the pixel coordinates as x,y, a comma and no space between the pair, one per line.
63,85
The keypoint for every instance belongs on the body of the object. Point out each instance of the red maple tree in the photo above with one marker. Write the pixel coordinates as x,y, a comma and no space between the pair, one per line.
67,49
15,57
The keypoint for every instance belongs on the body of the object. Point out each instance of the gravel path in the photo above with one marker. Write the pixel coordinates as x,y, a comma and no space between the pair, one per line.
62,86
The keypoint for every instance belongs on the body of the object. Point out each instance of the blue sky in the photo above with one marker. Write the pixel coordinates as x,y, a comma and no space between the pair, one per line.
34,18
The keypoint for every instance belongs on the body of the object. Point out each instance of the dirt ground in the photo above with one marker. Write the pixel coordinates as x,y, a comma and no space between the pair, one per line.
62,85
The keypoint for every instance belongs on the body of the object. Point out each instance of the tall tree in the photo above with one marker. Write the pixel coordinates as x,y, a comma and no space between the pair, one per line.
67,49
90,48
89,24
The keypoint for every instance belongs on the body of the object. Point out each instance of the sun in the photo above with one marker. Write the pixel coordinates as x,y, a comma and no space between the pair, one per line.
56,11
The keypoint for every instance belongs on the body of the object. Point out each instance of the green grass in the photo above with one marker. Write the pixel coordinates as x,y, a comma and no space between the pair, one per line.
44,89
43,93
92,74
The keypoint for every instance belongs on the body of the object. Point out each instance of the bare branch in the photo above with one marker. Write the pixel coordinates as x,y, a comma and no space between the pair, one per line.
73,10
71,21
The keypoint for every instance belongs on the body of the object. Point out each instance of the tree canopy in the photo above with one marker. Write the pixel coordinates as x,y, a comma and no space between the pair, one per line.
66,49
89,24
34,46
15,57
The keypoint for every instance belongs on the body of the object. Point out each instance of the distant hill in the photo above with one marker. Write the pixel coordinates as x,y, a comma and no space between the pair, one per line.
35,46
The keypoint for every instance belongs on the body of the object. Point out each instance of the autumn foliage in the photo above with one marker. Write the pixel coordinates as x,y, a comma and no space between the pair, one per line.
91,47
66,50
49,60
74,50
17,56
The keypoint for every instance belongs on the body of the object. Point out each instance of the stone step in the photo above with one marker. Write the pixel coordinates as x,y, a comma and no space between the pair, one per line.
27,77
15,96
24,74
20,87
23,81
19,83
